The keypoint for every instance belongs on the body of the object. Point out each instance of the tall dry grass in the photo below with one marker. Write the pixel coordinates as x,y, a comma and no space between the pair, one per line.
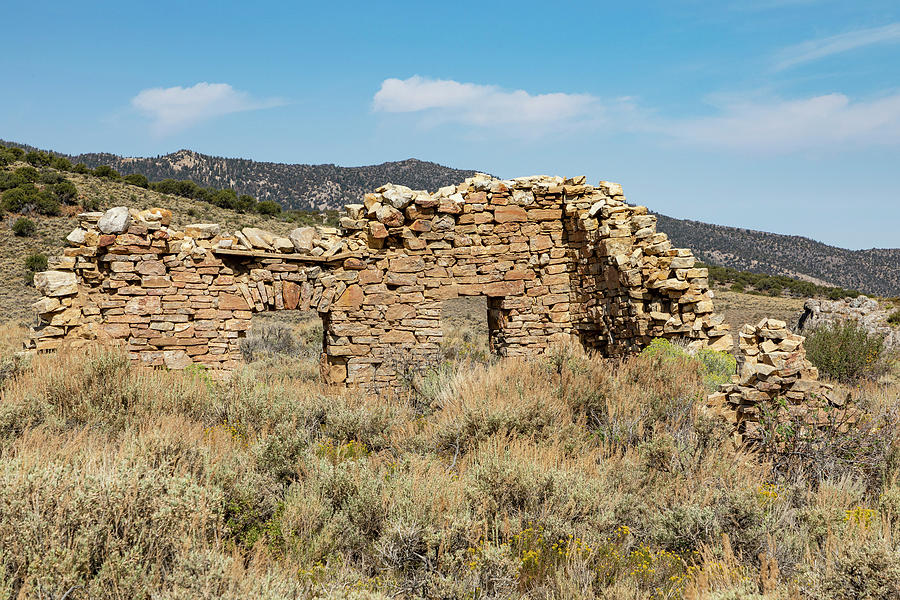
566,476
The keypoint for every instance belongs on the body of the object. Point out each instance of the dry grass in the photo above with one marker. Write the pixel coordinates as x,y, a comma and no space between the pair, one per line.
740,308
561,477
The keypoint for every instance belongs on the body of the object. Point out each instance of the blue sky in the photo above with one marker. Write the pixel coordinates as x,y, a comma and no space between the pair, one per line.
781,115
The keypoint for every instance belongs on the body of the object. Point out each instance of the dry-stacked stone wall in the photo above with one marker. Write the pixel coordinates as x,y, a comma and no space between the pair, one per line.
556,258
776,383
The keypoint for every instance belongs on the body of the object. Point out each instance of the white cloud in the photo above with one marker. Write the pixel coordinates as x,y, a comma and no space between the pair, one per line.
175,108
443,100
829,122
836,44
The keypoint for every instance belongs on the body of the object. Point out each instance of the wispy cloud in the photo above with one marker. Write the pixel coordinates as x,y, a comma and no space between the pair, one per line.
828,122
775,126
176,108
440,101
836,44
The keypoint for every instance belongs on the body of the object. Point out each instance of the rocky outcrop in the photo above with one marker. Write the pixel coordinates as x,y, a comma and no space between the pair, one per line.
557,259
869,313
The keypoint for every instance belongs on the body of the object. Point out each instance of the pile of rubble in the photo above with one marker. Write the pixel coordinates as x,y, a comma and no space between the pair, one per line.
775,380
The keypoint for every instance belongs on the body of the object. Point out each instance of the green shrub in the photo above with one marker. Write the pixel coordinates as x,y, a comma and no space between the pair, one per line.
50,177
38,158
81,169
137,179
107,172
34,263
65,191
717,367
245,203
894,318
46,204
10,180
268,207
61,163
18,198
846,351
29,174
17,153
91,204
24,227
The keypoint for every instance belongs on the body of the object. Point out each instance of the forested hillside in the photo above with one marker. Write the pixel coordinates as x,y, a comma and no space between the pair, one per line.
875,271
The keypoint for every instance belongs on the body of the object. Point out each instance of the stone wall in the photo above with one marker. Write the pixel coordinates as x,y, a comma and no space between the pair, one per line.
557,259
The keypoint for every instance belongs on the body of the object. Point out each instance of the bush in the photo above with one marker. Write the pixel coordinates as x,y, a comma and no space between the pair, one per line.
81,169
269,340
91,204
29,174
46,204
107,172
35,263
10,180
16,199
867,571
138,180
245,203
65,191
24,227
846,351
894,318
17,153
61,163
268,207
38,158
50,177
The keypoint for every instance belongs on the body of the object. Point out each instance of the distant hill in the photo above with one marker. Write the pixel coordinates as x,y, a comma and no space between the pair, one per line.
330,187
874,271
293,186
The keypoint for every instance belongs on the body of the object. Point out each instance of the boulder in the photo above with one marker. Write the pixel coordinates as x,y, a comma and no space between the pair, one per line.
202,231
115,220
56,283
282,244
259,238
76,238
390,216
303,239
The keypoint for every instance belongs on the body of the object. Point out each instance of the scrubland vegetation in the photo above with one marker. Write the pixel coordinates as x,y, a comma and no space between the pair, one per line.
565,476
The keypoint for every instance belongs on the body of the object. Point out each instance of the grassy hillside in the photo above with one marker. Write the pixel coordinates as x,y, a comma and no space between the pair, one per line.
874,271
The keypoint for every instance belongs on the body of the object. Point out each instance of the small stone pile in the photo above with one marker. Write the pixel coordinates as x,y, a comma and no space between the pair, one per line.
864,310
775,376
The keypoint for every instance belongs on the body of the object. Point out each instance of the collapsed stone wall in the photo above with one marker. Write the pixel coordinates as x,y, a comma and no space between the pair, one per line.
775,382
557,259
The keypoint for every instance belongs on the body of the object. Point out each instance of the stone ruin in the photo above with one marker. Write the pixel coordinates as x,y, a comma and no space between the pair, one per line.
772,367
556,258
